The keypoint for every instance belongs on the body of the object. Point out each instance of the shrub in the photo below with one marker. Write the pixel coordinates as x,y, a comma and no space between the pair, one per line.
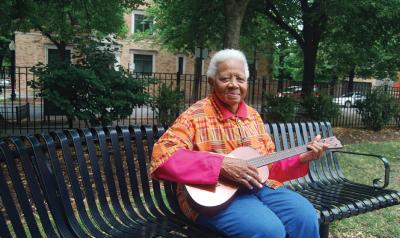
319,108
167,104
91,90
277,108
377,109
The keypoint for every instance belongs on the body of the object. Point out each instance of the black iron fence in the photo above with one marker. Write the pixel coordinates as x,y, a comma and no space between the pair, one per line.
23,110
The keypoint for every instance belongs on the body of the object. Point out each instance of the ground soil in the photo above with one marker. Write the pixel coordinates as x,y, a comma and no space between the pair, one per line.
353,135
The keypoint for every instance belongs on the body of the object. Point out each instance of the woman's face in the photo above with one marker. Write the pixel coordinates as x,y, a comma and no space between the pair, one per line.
230,83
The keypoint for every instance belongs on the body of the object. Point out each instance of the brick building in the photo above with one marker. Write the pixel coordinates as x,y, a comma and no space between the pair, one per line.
32,48
138,56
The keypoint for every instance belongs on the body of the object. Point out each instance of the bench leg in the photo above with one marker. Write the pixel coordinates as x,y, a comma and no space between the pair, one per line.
324,230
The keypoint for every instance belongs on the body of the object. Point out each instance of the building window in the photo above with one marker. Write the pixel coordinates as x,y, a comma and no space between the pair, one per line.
141,22
180,64
143,63
53,56
117,63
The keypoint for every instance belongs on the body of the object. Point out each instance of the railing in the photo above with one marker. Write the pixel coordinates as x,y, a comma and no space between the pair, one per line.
27,112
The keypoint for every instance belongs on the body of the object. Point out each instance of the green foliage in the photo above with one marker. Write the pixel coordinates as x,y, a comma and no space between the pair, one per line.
279,109
63,22
287,60
319,108
92,91
183,25
378,109
290,108
167,104
6,30
346,34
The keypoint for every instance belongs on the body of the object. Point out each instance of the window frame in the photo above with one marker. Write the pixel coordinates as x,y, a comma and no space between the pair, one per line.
136,12
53,47
143,52
184,63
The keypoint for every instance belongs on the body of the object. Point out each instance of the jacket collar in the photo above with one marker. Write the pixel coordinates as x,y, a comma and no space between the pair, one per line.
224,113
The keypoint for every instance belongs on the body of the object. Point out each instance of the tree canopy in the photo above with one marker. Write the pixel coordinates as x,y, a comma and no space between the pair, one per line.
325,36
364,42
64,22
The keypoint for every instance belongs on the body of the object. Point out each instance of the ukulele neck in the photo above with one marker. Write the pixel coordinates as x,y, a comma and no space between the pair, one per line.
277,156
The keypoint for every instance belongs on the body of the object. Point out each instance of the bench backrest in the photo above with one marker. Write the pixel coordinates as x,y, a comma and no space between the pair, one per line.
25,203
101,173
289,135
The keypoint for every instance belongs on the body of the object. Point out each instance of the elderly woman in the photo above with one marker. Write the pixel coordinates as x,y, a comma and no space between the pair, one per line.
193,151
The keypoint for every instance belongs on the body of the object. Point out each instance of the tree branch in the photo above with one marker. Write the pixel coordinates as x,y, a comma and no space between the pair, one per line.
320,27
48,35
273,14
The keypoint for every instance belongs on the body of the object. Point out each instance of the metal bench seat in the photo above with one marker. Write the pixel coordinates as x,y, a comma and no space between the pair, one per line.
332,194
95,183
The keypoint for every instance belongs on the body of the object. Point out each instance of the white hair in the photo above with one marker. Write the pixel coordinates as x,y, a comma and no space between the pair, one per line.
223,55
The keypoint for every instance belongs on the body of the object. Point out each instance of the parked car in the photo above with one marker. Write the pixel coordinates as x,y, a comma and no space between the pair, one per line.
349,99
5,83
296,91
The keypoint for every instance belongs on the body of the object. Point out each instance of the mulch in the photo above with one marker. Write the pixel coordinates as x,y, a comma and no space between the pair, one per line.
354,136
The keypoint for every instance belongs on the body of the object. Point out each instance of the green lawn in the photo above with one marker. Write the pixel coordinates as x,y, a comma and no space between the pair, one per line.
381,223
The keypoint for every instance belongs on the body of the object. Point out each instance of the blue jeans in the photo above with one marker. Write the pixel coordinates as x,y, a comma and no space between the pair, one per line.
266,213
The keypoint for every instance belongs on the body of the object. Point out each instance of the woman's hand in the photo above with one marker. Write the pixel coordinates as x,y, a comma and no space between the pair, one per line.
316,148
240,171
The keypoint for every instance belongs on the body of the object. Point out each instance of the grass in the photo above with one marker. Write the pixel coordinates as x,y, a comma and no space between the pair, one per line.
381,223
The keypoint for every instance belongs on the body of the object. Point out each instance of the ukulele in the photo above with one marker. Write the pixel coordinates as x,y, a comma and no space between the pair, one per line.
210,199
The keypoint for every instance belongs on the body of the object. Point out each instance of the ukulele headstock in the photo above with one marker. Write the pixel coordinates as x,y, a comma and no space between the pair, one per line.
333,142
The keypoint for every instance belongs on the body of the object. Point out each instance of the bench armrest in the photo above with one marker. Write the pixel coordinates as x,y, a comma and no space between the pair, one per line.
377,183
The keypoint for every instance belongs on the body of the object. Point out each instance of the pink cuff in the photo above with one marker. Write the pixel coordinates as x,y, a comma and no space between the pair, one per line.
190,167
288,169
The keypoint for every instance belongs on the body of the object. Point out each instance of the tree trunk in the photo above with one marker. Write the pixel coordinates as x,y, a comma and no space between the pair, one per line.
269,49
234,13
70,122
281,75
332,84
352,73
310,58
2,53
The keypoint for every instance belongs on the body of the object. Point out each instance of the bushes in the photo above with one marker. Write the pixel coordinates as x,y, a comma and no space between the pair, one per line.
308,108
319,108
277,108
92,90
377,109
167,104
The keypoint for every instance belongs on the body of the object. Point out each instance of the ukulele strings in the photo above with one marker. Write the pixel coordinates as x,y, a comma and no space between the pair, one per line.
267,159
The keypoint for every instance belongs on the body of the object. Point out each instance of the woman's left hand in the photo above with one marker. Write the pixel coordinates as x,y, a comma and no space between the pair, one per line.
316,150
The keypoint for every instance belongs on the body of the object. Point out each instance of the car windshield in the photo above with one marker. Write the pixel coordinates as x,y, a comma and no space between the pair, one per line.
357,94
292,89
347,95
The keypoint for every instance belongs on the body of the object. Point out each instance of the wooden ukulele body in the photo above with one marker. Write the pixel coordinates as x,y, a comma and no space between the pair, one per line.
210,199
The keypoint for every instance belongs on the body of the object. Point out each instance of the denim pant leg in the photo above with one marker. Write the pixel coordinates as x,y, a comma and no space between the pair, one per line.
245,217
296,212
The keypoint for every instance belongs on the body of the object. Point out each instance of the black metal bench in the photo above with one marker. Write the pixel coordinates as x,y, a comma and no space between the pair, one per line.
94,182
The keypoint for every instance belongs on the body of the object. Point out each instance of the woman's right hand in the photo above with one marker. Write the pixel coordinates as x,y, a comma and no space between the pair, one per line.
240,171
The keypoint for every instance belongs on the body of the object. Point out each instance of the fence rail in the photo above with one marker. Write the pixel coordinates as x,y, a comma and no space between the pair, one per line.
23,110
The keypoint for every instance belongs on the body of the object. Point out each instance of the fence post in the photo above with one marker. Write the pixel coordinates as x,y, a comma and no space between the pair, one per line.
263,88
13,79
178,88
